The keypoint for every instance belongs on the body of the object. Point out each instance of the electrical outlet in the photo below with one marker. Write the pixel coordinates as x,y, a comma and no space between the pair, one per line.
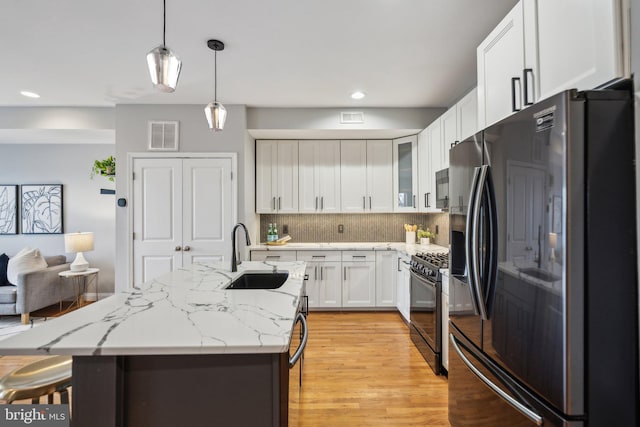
285,229
340,228
437,230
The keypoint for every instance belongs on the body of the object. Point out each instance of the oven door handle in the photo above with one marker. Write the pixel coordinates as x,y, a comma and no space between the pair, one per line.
535,418
305,335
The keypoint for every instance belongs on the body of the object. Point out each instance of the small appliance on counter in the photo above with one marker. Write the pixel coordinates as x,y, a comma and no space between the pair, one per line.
425,308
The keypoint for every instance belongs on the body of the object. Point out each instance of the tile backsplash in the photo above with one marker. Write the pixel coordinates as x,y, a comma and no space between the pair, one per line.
357,227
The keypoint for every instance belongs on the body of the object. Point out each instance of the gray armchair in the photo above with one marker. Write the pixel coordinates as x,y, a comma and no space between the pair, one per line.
36,290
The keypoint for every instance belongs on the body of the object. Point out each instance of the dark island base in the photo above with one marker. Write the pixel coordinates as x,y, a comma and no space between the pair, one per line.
180,390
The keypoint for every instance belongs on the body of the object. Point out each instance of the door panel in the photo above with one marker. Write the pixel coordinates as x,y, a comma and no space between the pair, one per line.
358,285
353,171
157,217
207,208
379,156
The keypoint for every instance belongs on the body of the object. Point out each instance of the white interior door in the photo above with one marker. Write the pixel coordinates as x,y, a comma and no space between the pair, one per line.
157,217
207,210
182,213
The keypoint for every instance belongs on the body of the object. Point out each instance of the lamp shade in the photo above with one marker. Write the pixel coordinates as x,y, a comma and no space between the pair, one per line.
164,68
78,242
553,240
216,115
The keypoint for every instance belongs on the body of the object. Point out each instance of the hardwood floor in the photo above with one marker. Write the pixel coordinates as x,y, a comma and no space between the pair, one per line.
361,369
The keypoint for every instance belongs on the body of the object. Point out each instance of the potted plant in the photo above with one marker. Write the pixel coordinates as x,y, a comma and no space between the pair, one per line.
106,167
425,236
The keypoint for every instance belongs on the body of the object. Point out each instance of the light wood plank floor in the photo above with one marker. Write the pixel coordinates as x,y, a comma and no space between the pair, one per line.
361,369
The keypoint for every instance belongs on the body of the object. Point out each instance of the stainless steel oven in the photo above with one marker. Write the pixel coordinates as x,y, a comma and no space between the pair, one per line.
425,308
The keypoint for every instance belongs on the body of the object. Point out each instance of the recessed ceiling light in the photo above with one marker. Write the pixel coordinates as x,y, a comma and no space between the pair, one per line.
29,94
357,95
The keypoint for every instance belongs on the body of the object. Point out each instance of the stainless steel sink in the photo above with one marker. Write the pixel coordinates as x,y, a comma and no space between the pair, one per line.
540,274
259,280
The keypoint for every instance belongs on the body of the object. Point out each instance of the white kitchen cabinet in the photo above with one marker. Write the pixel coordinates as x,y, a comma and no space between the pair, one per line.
276,176
386,262
445,321
279,256
450,135
501,61
405,174
319,176
366,175
426,194
324,286
467,114
403,286
358,284
585,55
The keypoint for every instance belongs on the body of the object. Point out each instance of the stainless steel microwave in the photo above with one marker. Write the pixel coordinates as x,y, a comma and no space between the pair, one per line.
442,189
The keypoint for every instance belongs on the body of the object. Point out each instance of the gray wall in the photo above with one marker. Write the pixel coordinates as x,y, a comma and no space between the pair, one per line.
84,208
195,137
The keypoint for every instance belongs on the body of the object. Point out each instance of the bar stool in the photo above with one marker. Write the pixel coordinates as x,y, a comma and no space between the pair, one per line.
40,378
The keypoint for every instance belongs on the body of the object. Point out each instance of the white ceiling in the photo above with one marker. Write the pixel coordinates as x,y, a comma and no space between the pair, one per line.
279,53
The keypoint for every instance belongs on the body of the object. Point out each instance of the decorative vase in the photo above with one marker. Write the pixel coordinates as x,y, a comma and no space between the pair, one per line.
411,238
425,241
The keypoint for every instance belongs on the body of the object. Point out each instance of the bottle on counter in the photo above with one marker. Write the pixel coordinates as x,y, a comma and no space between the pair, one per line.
270,233
275,231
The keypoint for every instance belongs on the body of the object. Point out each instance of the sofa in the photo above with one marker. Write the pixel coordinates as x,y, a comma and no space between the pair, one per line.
36,289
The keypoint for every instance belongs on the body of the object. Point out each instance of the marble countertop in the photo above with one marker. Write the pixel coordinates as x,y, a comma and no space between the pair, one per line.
354,246
187,311
554,286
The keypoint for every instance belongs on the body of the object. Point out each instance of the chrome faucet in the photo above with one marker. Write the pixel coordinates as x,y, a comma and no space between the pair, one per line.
235,260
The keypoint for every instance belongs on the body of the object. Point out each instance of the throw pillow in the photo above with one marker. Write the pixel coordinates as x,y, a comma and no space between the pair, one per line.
25,261
4,260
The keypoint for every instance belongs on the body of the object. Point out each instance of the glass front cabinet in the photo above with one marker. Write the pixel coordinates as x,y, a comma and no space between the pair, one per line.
405,174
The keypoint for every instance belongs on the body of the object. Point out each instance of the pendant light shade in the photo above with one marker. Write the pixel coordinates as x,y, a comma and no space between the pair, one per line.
216,115
164,65
214,111
164,68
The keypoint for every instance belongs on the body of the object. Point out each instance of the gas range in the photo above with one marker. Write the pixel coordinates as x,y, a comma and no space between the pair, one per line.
428,265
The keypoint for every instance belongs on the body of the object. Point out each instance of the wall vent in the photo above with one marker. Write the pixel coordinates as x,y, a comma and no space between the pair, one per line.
163,136
351,117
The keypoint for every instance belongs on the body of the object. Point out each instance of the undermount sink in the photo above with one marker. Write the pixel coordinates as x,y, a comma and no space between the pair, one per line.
259,280
540,274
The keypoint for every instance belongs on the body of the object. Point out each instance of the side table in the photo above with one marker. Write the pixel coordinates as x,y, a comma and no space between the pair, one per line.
80,280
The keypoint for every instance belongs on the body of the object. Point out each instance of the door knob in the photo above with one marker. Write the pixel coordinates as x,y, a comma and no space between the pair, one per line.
187,248
178,249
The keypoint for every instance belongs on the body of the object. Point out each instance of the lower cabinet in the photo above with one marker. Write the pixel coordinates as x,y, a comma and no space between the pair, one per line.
386,278
324,286
358,284
403,286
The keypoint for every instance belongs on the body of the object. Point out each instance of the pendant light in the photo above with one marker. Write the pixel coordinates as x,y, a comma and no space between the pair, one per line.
164,65
215,111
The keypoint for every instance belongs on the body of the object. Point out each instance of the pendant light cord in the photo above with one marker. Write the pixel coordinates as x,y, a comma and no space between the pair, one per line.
164,22
215,76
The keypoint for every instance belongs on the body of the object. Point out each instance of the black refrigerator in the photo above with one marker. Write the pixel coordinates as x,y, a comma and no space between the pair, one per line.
543,267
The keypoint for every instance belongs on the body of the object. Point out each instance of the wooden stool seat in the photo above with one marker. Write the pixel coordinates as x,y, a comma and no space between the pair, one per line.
40,378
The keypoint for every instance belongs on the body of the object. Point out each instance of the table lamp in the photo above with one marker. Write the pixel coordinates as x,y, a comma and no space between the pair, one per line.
79,243
553,241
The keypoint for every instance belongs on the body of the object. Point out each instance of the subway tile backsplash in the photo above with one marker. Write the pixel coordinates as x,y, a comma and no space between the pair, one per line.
357,227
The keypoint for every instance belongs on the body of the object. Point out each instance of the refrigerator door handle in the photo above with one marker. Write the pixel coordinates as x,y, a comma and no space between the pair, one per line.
475,244
471,229
535,418
492,270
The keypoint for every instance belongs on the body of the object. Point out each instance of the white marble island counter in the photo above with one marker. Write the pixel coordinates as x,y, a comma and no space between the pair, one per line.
184,312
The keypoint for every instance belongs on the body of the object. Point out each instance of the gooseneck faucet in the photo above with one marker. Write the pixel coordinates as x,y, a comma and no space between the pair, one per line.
235,260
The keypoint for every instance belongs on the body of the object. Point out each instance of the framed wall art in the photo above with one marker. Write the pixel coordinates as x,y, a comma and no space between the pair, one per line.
8,209
41,208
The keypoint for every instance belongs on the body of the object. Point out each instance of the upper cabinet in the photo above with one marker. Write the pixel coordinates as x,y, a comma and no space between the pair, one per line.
585,55
319,176
405,174
534,53
366,173
276,176
501,61
429,161
467,114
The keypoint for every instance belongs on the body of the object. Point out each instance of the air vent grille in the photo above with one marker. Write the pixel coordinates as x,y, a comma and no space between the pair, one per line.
163,136
351,117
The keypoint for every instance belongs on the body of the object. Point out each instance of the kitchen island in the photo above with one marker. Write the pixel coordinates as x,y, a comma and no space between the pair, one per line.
179,350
